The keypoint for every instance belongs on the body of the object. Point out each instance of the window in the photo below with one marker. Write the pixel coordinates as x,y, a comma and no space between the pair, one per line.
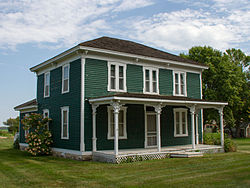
65,78
180,122
121,123
151,81
117,77
46,115
46,84
65,122
180,83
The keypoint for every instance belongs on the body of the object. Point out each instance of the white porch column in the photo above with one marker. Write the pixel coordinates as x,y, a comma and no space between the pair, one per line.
221,126
94,107
192,111
116,107
196,128
158,126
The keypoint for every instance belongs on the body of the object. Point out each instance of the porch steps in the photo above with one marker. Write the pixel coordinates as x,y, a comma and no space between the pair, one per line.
185,154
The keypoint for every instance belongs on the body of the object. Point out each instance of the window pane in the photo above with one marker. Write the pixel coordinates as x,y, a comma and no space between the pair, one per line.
65,124
121,116
121,129
112,130
147,74
176,88
154,87
113,70
177,121
176,78
65,117
182,90
182,78
66,85
112,83
66,72
121,85
47,79
121,71
46,90
147,86
183,122
154,75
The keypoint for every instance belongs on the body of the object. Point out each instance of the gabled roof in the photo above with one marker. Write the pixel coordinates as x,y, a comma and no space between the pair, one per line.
26,105
130,47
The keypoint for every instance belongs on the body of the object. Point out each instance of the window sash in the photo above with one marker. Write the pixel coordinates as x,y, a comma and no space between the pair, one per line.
64,123
46,84
117,77
65,78
180,83
150,81
121,123
180,122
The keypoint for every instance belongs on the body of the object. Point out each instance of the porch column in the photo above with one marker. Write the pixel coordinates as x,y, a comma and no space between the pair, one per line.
158,125
221,127
116,107
196,128
94,107
192,111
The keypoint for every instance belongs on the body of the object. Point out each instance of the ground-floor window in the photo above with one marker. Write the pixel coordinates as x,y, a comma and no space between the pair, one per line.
46,115
65,122
180,122
121,123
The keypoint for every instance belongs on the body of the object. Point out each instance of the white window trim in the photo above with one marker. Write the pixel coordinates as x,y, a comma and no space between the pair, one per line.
63,109
185,83
117,77
45,111
47,73
66,65
150,80
180,110
125,123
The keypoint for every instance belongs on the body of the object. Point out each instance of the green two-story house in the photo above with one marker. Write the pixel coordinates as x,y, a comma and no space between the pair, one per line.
111,95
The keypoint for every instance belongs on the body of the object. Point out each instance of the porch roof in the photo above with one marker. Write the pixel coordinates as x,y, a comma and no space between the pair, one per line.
148,99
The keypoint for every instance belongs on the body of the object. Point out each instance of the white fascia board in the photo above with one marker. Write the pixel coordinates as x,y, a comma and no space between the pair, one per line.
26,108
57,57
142,57
156,101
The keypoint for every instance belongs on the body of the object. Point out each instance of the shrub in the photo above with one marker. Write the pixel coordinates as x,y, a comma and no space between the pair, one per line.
229,145
39,140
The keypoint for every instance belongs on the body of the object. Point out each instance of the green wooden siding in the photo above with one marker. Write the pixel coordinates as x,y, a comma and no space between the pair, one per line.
58,100
166,82
193,85
134,78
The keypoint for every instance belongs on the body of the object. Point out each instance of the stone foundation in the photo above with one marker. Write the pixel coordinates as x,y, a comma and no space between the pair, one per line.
72,156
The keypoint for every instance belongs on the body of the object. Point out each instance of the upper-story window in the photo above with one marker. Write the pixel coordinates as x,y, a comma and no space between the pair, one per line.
47,84
65,78
151,80
117,77
180,83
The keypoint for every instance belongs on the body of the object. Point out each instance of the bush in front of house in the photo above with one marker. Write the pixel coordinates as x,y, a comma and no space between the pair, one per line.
214,139
39,139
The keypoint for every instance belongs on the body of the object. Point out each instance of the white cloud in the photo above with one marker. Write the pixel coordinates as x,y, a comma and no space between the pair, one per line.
60,22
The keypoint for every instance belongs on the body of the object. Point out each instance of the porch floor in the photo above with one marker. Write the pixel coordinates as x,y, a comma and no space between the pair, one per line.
109,156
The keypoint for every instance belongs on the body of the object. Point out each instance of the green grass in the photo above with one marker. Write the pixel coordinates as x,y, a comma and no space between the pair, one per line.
19,169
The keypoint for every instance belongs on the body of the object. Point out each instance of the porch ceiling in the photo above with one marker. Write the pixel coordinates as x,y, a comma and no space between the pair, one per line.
134,98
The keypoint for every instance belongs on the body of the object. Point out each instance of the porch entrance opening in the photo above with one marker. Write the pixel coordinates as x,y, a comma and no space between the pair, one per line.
151,133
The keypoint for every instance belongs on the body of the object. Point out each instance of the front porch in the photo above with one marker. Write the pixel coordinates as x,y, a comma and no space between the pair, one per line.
130,155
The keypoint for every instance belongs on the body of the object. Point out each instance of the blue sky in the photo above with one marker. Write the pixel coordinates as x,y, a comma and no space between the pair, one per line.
31,31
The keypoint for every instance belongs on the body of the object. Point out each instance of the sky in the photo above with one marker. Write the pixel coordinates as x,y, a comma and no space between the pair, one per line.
32,31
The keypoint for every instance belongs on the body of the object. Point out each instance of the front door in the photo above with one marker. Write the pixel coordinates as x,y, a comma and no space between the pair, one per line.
151,139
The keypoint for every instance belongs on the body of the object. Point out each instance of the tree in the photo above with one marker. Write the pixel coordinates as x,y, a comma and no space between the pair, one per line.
13,124
227,79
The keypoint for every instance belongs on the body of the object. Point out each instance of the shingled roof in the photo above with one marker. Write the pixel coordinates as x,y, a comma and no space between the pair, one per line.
130,47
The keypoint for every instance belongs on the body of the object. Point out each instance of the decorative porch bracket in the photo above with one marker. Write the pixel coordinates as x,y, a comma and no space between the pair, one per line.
192,111
221,126
158,109
116,107
94,107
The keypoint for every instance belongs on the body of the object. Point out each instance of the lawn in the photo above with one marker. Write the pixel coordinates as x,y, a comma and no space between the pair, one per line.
18,169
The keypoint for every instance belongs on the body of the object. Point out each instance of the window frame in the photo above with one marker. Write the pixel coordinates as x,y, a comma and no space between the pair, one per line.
65,108
44,90
46,111
151,69
124,109
180,110
179,83
66,65
117,65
